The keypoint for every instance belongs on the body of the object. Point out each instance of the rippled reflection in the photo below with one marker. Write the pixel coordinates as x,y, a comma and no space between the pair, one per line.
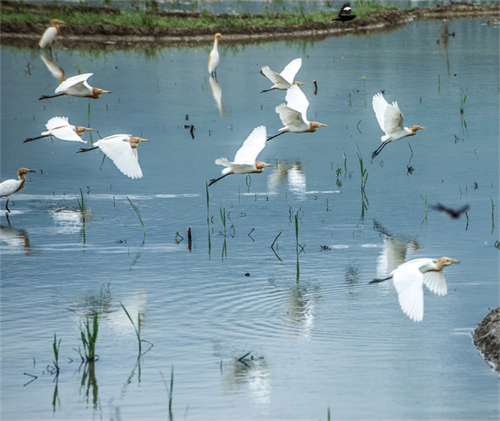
15,239
217,94
68,220
288,172
54,69
394,252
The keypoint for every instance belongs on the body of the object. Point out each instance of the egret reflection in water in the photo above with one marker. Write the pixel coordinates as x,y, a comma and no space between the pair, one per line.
395,250
54,69
290,173
15,240
68,220
217,94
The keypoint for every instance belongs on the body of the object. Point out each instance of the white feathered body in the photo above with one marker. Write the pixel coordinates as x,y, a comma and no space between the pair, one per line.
283,80
60,128
293,114
9,187
76,86
409,279
48,37
119,149
390,119
244,160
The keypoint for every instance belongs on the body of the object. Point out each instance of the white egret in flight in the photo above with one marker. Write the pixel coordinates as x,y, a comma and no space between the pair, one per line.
294,114
59,127
244,160
50,33
409,278
213,58
283,80
122,150
390,119
77,86
12,186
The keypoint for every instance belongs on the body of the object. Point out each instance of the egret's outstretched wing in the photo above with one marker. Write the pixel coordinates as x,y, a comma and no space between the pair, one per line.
53,68
118,149
389,116
252,146
72,82
274,77
436,282
60,128
297,101
408,281
289,117
290,70
56,122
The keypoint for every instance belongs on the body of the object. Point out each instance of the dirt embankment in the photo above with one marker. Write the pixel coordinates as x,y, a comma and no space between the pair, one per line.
487,339
123,36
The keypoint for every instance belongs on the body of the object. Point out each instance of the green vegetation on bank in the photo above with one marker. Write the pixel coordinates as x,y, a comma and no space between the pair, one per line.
146,14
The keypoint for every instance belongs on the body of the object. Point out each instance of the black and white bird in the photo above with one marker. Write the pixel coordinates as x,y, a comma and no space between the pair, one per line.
345,13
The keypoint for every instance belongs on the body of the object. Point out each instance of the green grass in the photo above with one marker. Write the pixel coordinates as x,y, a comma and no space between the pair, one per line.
55,346
137,329
143,17
138,216
88,336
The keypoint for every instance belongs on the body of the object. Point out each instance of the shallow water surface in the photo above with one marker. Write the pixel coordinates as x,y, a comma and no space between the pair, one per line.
314,334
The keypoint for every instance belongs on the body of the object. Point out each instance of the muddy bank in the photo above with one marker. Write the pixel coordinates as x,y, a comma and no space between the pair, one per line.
487,339
109,37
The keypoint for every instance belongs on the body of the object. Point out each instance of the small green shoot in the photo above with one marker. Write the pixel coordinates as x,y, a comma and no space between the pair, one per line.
463,98
338,172
139,216
170,391
424,198
56,345
81,205
364,171
223,219
492,215
88,335
208,219
272,246
137,330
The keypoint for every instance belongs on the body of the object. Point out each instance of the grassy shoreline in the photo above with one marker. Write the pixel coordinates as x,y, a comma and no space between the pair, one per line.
151,16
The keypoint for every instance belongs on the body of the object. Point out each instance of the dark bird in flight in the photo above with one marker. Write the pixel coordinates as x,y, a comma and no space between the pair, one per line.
452,213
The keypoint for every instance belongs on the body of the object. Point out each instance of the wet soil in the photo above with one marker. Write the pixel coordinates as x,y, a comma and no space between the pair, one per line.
487,338
125,37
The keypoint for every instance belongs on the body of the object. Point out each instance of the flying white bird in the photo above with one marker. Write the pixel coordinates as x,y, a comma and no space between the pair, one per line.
294,114
77,86
390,119
244,160
409,278
60,128
283,80
213,58
12,186
50,33
122,150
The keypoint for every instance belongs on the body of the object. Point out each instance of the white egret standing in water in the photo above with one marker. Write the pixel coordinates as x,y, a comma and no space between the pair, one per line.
12,186
50,33
213,58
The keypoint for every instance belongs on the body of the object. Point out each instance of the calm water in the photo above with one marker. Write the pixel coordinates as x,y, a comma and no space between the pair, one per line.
318,335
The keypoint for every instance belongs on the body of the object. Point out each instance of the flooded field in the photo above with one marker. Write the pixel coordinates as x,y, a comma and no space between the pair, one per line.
262,315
